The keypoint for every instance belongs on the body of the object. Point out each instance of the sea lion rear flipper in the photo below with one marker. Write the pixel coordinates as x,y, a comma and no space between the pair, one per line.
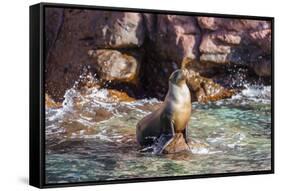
162,142
166,137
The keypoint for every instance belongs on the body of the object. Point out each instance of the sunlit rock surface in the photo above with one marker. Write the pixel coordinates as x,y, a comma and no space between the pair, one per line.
142,50
112,65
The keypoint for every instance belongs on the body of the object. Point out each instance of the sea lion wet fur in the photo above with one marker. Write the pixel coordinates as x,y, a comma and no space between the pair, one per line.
159,127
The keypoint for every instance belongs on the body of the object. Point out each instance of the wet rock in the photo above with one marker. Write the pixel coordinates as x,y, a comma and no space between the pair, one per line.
198,147
102,114
112,65
81,31
204,89
119,96
141,50
50,103
68,56
74,128
177,145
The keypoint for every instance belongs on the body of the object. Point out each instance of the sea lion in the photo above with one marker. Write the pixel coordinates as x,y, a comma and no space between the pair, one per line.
159,127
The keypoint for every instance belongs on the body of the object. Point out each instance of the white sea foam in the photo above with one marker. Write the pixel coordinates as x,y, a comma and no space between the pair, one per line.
200,150
255,93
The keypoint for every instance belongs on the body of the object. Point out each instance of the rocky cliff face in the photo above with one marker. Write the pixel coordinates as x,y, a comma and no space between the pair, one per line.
136,52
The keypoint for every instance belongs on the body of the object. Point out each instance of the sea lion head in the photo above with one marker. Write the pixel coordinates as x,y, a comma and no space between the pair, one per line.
179,76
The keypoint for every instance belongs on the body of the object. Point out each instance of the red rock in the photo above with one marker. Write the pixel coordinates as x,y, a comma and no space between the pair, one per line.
262,39
177,37
237,25
207,23
79,33
229,38
117,30
171,42
209,46
236,41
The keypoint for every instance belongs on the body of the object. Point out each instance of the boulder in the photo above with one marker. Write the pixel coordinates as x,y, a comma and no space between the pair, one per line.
68,55
139,51
81,31
177,145
204,89
112,65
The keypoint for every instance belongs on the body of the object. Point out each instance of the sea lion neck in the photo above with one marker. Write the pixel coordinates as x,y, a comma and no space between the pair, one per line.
178,92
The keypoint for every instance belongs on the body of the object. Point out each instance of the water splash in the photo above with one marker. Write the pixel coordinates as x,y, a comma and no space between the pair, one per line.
253,93
96,134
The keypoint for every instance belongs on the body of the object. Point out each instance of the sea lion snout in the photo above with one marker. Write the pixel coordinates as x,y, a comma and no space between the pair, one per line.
179,76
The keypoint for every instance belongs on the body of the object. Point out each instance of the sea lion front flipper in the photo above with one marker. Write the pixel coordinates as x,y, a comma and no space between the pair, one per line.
186,134
166,137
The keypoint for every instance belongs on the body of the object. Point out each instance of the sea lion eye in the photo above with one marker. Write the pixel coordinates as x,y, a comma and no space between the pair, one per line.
176,76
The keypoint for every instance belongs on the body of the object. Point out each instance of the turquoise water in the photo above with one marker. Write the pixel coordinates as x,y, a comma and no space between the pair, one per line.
92,138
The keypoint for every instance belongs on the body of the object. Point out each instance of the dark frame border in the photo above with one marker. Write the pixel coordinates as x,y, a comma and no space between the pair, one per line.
37,176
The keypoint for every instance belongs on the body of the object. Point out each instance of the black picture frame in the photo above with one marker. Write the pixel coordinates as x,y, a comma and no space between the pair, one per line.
37,96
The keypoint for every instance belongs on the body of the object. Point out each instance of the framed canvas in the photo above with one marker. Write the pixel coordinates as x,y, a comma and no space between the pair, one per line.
123,95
